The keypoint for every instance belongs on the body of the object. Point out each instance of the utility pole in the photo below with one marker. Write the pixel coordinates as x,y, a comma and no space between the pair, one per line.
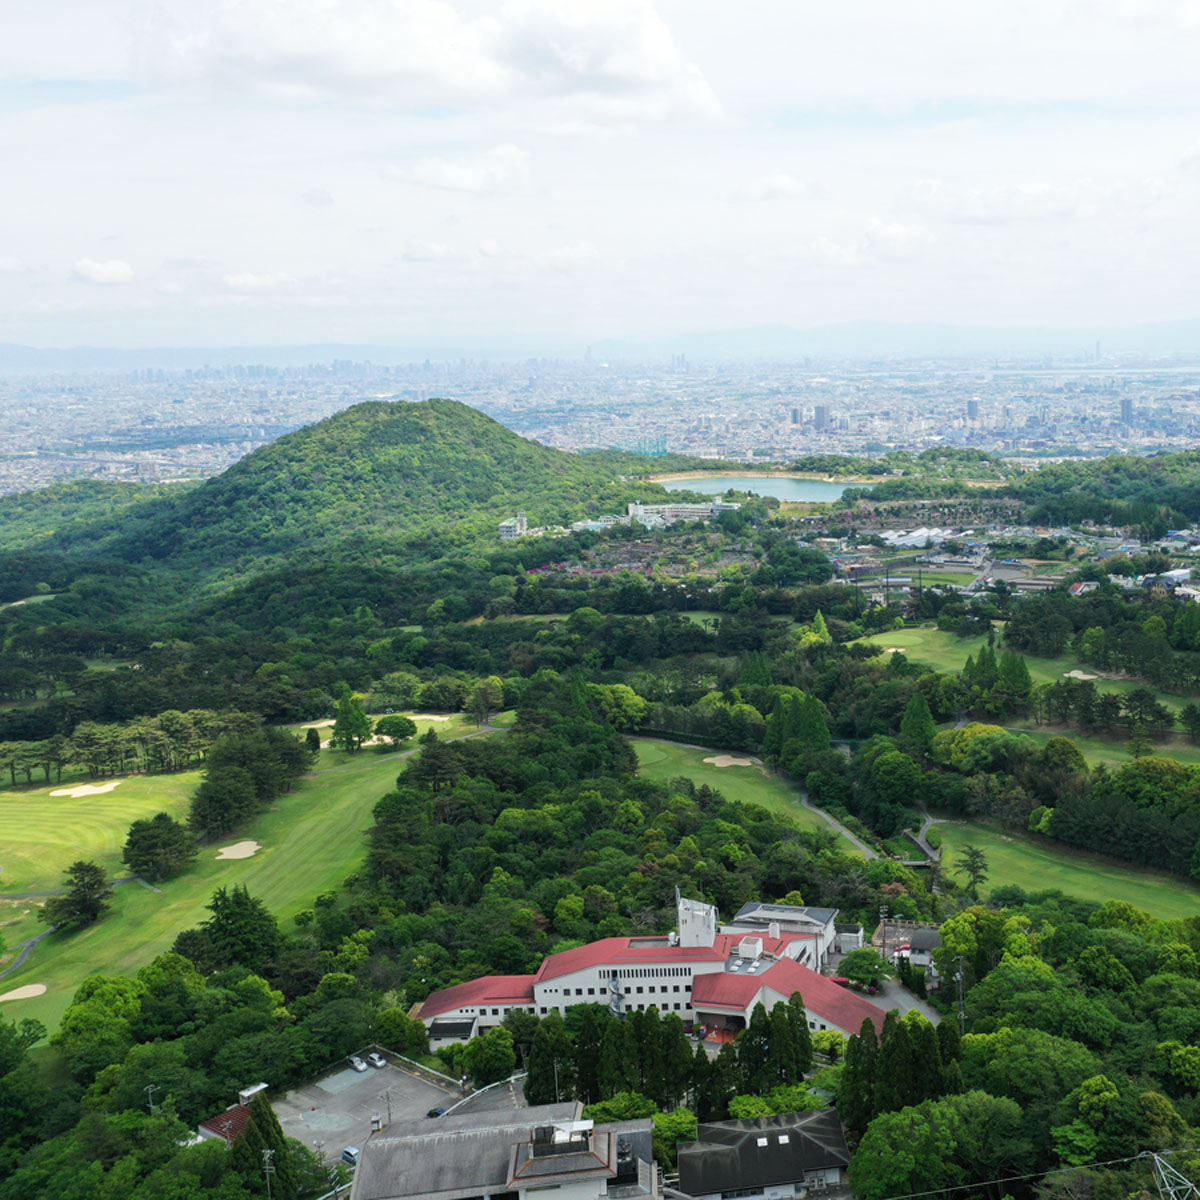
883,916
268,1169
388,1097
150,1089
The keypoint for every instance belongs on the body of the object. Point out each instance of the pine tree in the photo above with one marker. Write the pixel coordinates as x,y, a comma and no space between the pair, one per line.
753,1053
589,1046
895,1072
820,628
782,1046
813,726
928,1075
856,1090
949,1042
677,1064
986,670
550,1076
618,1069
969,673
801,1035
917,726
284,1185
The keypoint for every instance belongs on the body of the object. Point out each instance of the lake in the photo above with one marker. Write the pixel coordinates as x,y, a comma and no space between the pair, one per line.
781,488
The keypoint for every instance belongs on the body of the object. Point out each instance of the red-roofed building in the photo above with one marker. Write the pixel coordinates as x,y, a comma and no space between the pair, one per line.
696,973
227,1125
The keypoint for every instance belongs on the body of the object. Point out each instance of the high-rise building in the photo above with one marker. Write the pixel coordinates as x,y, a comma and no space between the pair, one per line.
972,410
1127,410
821,416
795,416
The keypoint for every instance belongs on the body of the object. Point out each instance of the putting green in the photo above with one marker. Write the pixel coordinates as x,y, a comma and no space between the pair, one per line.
41,834
748,785
1038,866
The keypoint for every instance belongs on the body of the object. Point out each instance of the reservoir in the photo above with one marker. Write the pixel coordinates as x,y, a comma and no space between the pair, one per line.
781,487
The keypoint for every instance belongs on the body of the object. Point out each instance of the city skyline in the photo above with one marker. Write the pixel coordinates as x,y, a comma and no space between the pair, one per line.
469,174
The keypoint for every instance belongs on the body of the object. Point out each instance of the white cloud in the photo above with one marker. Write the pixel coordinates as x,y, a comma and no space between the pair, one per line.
1191,158
777,185
111,270
502,168
248,281
615,56
12,266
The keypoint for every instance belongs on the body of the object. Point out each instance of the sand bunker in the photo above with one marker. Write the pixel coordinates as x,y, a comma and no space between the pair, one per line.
1077,674
239,850
88,789
25,993
727,760
429,717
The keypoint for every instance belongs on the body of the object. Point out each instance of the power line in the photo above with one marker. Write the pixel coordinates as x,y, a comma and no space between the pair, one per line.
964,1187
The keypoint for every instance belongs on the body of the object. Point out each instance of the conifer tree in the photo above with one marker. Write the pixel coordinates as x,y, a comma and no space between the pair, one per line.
917,727
589,1047
550,1075
895,1071
856,1090
284,1185
949,1042
618,1072
753,1052
782,1046
929,1078
801,1035
676,1061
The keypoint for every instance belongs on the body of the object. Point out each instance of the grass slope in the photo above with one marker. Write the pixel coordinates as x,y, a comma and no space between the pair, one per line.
747,785
312,839
948,652
41,834
1036,865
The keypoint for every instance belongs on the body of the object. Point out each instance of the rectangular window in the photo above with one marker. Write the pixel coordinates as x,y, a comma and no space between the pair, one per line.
591,991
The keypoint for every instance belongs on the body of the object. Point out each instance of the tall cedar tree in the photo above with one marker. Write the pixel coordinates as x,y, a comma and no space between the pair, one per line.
917,726
856,1090
895,1071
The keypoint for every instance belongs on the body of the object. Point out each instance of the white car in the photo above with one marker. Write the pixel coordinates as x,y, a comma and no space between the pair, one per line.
357,1063
377,1060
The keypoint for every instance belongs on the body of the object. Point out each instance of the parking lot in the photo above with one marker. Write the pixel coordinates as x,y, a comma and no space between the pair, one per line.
336,1110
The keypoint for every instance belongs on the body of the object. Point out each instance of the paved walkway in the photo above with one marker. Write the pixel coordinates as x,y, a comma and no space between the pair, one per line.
26,950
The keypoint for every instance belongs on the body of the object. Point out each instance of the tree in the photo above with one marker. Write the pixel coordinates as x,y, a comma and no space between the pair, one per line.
395,728
490,1058
754,1052
242,930
856,1088
312,740
917,726
352,726
396,1030
86,900
158,848
485,698
973,863
550,1067
896,1085
864,967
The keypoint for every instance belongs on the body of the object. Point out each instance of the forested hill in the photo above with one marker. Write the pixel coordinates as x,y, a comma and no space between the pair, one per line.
394,475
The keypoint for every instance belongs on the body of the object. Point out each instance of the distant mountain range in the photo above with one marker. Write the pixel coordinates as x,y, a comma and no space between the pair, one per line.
869,340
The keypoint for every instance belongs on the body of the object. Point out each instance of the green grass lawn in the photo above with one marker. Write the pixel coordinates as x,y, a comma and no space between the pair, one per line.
1036,865
312,839
41,834
1113,751
947,652
748,785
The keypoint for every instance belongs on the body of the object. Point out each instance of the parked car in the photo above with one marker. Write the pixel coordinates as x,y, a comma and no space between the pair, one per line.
350,1156
376,1060
357,1063
436,1112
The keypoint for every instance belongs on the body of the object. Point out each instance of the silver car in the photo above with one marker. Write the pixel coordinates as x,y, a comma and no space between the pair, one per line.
357,1063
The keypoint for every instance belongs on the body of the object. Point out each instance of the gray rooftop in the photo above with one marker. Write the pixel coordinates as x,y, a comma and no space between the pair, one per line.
446,1158
756,911
760,1151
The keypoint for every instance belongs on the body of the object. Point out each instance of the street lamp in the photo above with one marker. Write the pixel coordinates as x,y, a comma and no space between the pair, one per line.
150,1089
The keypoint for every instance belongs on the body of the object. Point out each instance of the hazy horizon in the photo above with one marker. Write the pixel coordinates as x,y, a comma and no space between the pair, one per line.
471,174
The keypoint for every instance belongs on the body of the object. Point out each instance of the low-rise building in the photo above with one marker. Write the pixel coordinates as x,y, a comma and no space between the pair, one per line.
498,1155
700,975
765,1158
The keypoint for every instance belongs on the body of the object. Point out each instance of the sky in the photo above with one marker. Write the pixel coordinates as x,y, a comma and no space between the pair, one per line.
223,172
